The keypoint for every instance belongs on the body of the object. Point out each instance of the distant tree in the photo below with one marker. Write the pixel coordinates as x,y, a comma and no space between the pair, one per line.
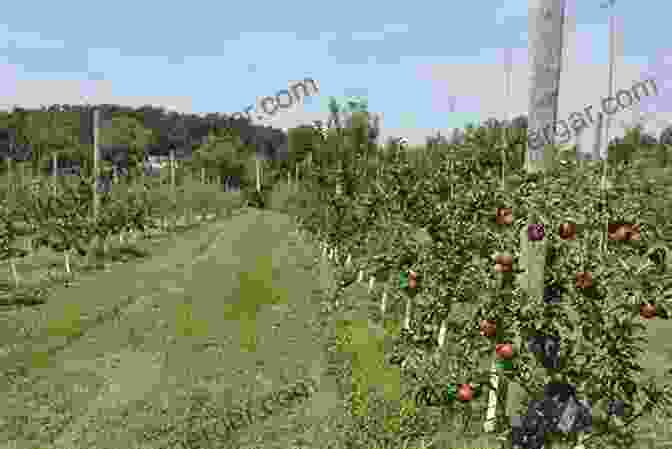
520,122
127,135
226,155
648,139
666,136
620,151
334,114
374,129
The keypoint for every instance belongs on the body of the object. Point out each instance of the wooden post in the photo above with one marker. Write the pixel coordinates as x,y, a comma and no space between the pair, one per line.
54,170
54,165
607,124
172,169
257,162
546,19
597,144
508,62
9,173
96,161
96,164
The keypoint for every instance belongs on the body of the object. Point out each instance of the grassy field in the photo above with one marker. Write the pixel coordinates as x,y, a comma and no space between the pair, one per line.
228,312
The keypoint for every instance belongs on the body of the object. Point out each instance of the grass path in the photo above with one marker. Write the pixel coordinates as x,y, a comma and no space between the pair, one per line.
96,297
235,323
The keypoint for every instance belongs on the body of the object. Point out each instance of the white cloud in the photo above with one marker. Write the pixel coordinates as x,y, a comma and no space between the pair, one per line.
511,9
34,93
27,39
368,36
395,28
328,36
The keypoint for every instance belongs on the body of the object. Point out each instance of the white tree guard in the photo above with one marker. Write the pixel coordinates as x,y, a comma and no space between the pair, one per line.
442,334
491,415
407,317
383,303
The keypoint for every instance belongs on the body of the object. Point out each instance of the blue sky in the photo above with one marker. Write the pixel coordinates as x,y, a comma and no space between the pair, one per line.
408,58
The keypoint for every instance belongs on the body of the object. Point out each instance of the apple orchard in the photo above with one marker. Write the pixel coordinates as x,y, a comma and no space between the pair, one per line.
605,276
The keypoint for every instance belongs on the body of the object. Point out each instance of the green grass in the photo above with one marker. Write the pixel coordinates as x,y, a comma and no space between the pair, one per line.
234,323
70,309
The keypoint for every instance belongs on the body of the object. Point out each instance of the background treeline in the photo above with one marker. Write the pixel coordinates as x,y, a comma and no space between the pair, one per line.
214,147
128,136
219,149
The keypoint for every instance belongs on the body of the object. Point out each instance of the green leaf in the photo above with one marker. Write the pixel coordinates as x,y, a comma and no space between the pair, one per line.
504,364
403,280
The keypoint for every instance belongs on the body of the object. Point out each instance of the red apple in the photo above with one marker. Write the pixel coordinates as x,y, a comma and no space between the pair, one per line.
500,268
504,259
504,216
584,279
647,311
568,231
618,232
633,232
504,351
488,328
465,393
